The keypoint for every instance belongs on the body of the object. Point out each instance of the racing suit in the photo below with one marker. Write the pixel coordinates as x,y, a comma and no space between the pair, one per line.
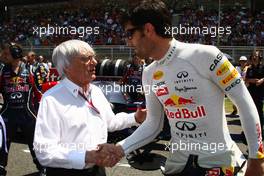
189,83
19,109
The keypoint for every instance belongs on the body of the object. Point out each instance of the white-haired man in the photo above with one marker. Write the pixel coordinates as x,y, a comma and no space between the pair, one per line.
74,116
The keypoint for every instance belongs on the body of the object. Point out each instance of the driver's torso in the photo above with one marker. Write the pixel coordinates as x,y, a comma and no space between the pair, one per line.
16,88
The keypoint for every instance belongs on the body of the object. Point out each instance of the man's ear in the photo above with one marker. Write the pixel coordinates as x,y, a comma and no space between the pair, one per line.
66,70
149,29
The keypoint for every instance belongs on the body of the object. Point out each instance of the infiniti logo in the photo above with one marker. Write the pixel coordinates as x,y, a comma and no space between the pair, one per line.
16,95
182,74
185,126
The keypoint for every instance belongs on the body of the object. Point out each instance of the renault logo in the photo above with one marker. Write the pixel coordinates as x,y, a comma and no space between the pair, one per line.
16,95
182,74
185,126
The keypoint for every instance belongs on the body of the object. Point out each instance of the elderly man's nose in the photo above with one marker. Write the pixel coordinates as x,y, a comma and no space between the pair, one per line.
94,61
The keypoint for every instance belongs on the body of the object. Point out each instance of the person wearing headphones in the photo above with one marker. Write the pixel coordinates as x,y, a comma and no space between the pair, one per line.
21,99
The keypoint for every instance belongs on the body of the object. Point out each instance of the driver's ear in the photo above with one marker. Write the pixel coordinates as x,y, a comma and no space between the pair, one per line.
149,29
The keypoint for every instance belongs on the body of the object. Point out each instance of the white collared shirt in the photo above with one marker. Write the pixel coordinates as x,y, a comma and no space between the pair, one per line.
66,127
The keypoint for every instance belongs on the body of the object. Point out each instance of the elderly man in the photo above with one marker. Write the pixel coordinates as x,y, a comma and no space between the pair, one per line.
74,117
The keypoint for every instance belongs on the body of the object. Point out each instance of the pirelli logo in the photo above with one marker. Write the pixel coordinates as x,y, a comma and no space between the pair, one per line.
229,77
224,68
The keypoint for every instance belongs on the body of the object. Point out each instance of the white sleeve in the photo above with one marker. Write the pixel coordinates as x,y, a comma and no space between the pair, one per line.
114,122
223,73
153,124
47,137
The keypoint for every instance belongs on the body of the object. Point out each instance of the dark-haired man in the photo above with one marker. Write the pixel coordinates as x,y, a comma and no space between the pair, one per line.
189,82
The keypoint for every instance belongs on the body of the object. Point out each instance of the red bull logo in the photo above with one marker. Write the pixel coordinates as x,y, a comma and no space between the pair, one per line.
186,113
158,75
16,80
178,101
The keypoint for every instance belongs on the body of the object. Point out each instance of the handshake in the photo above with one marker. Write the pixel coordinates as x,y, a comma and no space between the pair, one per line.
106,155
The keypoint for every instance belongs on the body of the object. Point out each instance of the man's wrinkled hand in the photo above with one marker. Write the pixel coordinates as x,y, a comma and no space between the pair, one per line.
108,155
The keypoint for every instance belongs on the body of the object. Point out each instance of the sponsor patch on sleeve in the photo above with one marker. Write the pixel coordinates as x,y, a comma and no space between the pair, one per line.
224,68
234,74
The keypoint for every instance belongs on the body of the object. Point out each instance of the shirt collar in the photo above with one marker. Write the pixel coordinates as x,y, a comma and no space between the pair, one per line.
71,86
169,55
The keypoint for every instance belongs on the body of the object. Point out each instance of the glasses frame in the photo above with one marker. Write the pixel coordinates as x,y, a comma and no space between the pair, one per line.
130,32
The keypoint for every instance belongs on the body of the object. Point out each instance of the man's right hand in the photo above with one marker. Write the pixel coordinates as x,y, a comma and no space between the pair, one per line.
107,155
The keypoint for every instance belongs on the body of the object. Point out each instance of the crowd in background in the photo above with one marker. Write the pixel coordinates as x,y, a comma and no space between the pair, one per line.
246,28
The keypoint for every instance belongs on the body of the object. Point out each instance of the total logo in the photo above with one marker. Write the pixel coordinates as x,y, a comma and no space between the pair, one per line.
186,113
224,68
178,101
158,75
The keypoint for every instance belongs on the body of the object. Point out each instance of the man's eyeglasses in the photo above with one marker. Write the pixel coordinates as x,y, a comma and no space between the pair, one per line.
130,32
